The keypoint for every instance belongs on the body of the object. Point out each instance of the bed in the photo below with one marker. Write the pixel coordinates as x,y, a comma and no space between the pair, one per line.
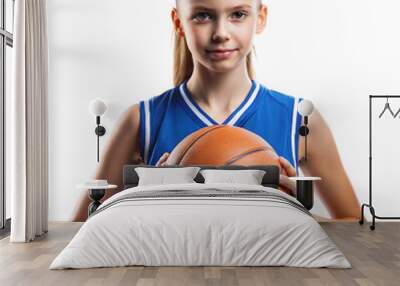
201,224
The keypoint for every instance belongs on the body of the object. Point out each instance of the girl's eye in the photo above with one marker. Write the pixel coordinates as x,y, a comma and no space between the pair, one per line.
201,17
239,15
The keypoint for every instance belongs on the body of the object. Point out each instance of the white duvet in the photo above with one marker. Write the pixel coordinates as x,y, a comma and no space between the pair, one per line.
219,231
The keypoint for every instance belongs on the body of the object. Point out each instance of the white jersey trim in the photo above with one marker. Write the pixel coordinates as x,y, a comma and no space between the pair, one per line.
246,106
294,125
193,108
147,131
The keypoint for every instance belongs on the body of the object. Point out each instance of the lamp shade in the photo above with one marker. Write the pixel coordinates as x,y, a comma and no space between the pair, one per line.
306,107
97,107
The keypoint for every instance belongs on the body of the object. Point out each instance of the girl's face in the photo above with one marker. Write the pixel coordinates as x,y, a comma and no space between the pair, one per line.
219,33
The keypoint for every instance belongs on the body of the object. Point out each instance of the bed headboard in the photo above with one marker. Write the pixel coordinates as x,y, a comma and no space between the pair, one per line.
270,179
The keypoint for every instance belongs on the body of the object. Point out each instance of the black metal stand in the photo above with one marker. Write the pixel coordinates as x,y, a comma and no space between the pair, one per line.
304,131
96,195
369,205
305,193
100,131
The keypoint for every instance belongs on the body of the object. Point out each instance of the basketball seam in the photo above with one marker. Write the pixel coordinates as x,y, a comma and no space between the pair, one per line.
245,153
215,127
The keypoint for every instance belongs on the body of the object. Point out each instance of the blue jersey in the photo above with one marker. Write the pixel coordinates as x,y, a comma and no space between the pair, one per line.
168,118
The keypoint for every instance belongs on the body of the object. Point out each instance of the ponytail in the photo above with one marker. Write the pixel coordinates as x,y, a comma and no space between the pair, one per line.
183,61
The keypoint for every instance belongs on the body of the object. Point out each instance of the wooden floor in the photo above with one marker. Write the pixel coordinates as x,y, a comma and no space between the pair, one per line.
374,255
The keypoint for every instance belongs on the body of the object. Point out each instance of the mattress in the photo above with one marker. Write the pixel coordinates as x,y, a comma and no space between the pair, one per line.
201,225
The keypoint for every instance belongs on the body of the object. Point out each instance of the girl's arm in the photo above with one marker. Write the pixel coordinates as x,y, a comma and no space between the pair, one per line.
323,160
122,148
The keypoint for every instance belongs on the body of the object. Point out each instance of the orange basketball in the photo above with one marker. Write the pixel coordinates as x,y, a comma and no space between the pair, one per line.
221,145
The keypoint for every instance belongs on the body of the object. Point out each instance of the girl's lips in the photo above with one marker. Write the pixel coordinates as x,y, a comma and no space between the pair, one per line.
221,54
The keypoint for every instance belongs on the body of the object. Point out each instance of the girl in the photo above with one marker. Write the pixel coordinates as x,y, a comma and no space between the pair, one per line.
214,84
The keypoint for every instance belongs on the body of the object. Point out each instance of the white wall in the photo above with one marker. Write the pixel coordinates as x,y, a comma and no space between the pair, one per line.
334,52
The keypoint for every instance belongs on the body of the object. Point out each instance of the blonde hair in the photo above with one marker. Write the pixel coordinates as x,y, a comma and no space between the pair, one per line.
183,61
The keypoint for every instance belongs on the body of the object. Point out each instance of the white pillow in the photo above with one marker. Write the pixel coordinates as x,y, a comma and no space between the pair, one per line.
248,177
162,176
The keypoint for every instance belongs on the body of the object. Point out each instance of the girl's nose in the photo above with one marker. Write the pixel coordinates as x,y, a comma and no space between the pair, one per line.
220,33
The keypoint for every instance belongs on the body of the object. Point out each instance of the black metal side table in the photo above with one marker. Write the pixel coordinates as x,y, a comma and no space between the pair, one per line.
304,190
96,193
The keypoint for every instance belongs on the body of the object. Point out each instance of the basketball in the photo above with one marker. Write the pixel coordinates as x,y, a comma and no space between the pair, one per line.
221,145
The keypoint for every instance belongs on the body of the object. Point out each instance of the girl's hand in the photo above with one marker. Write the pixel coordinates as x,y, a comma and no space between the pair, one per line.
163,159
284,181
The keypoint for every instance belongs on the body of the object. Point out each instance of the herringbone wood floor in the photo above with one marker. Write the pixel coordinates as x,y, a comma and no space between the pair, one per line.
375,257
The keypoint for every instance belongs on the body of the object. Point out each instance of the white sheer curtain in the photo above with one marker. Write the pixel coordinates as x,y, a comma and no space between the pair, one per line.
29,122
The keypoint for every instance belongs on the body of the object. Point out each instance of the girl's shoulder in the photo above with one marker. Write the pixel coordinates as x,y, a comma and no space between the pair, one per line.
280,98
158,103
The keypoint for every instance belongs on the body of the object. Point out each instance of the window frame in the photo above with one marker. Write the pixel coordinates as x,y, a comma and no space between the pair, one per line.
6,39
